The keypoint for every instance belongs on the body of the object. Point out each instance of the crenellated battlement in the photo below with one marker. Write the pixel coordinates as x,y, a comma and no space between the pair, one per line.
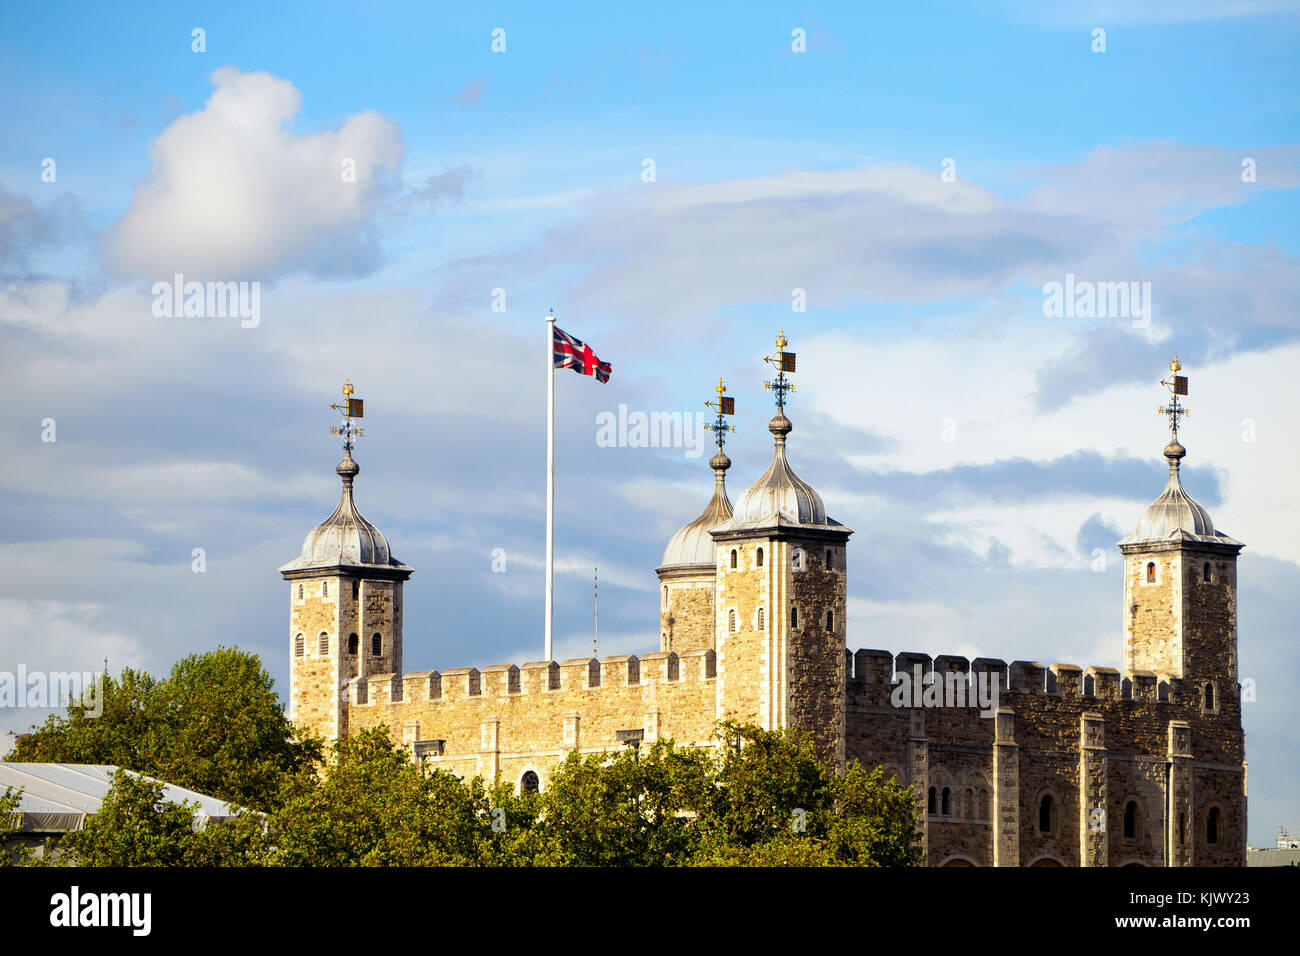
498,681
880,668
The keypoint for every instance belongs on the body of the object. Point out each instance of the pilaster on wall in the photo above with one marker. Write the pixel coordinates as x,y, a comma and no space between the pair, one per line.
1179,831
489,760
1094,845
918,757
571,733
1006,790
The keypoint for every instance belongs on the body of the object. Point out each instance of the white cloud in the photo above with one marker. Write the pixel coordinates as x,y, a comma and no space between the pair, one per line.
234,193
985,384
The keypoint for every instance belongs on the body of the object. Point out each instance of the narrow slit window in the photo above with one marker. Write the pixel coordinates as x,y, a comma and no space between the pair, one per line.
759,561
376,644
1130,820
1151,572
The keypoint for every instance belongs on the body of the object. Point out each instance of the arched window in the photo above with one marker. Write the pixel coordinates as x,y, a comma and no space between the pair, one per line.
731,621
830,620
796,559
1045,813
356,590
759,561
1126,689
733,557
930,805
324,643
1209,697
529,783
794,616
300,592
1206,574
665,594
376,644
1151,572
1131,820
945,802
352,644
1212,826
298,645
761,619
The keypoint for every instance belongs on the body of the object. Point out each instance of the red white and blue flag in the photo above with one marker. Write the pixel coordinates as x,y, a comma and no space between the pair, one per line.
570,353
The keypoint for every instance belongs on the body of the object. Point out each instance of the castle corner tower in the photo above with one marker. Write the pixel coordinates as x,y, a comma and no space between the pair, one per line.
781,586
1180,582
345,603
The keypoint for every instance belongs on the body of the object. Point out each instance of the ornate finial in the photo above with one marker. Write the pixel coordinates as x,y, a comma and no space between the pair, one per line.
350,409
725,405
1177,385
783,361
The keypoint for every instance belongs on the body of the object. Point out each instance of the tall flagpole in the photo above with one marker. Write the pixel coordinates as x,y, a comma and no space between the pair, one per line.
550,482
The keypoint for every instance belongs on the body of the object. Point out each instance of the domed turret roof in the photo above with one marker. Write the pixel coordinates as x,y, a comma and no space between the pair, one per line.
780,498
346,539
692,546
1175,515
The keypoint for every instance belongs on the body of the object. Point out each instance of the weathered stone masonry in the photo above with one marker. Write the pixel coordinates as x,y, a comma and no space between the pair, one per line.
1071,767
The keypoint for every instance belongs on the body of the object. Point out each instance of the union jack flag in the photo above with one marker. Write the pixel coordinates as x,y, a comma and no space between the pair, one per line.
570,353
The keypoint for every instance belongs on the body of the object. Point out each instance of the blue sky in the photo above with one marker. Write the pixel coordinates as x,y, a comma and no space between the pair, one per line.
980,448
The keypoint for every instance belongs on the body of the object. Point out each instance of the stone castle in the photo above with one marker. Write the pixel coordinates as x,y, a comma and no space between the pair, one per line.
1070,767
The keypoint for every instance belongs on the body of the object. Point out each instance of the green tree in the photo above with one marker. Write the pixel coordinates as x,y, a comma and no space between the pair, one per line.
8,823
374,807
214,725
135,826
633,808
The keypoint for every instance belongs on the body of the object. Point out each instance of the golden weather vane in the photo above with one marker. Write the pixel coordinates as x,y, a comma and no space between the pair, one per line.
350,409
1177,385
725,405
783,362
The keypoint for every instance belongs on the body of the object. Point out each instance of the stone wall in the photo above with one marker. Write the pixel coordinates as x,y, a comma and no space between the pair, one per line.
686,617
1062,732
507,720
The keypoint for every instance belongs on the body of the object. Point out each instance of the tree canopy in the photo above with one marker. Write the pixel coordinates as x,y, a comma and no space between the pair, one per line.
213,725
761,798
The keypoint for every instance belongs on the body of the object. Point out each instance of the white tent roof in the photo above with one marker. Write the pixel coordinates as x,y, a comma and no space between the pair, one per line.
57,797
